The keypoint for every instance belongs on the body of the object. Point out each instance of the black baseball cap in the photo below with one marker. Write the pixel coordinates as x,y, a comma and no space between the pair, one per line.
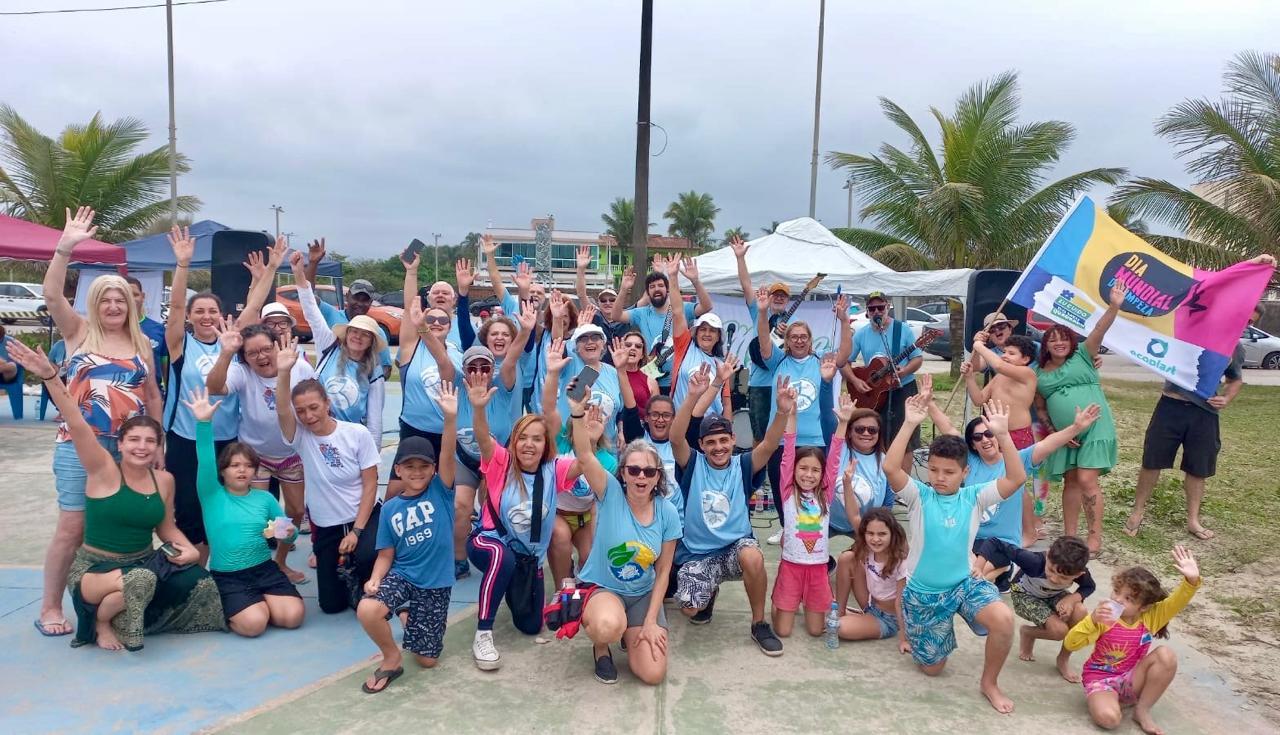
714,423
415,447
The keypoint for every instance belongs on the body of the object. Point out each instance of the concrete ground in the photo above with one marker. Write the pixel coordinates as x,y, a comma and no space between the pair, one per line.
308,681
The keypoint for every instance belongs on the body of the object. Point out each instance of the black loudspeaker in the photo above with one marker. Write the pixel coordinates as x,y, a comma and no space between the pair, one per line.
987,289
229,278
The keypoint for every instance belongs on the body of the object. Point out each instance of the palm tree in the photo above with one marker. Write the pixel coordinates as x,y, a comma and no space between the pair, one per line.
693,217
1233,150
733,232
1123,215
620,221
770,228
94,164
982,203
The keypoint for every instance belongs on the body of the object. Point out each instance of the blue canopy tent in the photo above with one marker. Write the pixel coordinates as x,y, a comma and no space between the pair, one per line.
154,253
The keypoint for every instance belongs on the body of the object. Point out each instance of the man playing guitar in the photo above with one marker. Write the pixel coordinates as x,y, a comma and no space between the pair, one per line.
886,336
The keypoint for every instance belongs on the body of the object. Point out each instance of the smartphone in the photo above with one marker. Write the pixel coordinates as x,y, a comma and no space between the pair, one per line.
414,248
169,550
586,378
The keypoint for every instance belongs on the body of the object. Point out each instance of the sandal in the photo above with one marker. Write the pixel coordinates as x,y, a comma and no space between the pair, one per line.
1132,530
40,626
1203,534
379,676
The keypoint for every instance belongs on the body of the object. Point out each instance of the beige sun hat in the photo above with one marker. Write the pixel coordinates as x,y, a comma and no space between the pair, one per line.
365,322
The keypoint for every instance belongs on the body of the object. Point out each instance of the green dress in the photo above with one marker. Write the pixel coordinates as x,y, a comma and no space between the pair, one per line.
1075,385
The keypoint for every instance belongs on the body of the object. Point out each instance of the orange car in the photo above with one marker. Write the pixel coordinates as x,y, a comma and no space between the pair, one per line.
387,317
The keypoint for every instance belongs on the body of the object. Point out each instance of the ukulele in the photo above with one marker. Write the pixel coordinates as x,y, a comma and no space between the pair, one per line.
881,374
785,316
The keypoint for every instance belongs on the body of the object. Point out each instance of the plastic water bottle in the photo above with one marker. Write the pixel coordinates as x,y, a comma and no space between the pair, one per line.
566,589
831,639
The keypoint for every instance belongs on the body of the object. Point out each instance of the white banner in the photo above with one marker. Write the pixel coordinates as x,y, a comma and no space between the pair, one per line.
740,328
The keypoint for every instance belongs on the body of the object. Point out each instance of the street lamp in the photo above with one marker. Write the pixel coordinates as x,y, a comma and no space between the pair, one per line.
848,184
279,210
436,235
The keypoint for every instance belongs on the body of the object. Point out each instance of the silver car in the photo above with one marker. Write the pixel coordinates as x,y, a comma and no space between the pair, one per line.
1260,349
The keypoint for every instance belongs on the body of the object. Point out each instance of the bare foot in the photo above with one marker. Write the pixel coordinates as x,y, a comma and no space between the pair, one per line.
1094,542
1026,644
311,561
998,700
1133,526
1064,668
294,575
1144,721
1029,540
107,639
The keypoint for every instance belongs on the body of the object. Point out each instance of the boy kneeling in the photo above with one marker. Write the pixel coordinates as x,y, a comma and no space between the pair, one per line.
943,519
414,569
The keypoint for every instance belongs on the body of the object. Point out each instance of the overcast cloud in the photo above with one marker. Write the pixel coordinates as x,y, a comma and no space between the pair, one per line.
376,121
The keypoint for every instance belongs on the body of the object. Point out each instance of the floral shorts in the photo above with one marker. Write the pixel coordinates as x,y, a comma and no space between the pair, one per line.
1121,684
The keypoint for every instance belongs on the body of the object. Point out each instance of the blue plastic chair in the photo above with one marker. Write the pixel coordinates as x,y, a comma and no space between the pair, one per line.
14,390
56,356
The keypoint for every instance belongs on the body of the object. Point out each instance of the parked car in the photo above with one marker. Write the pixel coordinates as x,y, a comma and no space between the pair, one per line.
387,317
16,296
1260,349
391,298
938,309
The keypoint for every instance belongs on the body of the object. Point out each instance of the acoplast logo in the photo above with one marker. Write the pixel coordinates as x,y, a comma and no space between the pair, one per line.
1155,289
1157,348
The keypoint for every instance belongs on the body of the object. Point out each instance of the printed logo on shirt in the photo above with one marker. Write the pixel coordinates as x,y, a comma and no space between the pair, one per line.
604,401
430,377
408,523
269,398
331,454
630,560
520,517
343,391
715,508
205,363
806,393
467,441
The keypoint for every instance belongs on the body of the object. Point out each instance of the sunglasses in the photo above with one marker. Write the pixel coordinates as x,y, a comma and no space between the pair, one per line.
440,320
880,307
1003,326
633,346
866,430
980,435
483,368
636,471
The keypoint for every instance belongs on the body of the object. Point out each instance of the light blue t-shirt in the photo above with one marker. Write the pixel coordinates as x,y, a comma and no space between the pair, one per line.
715,514
1003,520
606,392
625,552
420,381
806,378
503,411
517,512
333,316
693,360
528,360
941,529
185,375
758,377
870,487
669,468
868,343
650,323
348,390
420,529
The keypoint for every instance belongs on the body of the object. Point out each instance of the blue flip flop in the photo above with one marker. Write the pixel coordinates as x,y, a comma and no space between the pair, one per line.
40,627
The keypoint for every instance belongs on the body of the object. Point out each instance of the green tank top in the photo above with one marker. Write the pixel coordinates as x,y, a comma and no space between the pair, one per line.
122,523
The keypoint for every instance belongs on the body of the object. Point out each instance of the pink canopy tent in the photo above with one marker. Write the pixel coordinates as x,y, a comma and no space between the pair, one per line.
23,240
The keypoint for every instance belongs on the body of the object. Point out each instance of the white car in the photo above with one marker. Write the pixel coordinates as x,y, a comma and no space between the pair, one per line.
20,297
1260,349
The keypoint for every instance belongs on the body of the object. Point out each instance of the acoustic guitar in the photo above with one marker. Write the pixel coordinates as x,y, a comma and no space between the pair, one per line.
881,374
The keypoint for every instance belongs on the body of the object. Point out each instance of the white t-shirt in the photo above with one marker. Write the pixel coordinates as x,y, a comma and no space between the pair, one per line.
333,465
259,427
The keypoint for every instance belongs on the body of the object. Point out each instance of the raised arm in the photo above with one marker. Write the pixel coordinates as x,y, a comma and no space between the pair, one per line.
555,361
588,464
744,276
446,463
528,320
892,463
321,334
230,339
762,325
581,260
408,326
1093,343
699,383
264,274
1058,439
315,254
618,313
175,326
785,398
1021,373
846,331
490,250
704,303
479,394
997,416
207,481
977,393
675,301
78,228
93,457
286,357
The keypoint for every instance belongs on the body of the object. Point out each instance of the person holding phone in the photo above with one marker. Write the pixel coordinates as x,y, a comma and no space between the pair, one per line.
122,587
596,377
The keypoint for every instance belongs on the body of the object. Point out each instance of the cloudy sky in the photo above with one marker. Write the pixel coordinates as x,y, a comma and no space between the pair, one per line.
377,121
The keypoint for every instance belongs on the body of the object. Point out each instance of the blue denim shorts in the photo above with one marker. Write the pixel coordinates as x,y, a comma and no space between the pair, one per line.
888,621
69,475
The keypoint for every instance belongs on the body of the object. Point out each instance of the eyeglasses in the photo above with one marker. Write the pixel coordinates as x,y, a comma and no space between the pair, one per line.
637,470
988,434
591,338
879,307
440,320
253,354
483,368
866,430
1001,327
277,323
655,416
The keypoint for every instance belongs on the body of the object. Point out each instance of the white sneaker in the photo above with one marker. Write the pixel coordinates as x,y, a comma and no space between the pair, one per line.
484,652
775,539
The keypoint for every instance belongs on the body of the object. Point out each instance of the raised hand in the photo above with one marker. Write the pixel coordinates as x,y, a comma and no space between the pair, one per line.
618,351
762,298
739,247
785,396
595,421
844,411
917,410
628,279
726,368
257,265
582,257
278,252
1086,416
924,383
479,390
828,366
1186,564
287,352
699,381
997,415
1118,292
577,406
841,307
448,400
228,335
689,267
414,313
528,317
587,315
200,406
184,247
980,339
556,358
78,228
488,245
465,275
558,305
316,251
524,276
34,361
412,265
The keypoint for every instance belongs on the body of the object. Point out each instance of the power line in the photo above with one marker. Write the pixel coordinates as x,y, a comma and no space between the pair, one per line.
105,10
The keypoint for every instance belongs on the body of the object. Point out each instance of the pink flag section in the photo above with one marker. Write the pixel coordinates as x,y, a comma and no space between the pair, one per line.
1218,307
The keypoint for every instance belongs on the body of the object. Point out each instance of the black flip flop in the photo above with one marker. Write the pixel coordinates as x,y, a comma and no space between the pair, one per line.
380,675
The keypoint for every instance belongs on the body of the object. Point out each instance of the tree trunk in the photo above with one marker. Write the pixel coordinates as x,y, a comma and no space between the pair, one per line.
957,336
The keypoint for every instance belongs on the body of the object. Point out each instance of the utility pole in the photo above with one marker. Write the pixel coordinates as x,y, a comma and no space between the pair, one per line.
817,113
848,184
640,229
278,210
173,125
436,235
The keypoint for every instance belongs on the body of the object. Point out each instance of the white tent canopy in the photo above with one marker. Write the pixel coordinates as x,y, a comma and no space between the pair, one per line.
801,247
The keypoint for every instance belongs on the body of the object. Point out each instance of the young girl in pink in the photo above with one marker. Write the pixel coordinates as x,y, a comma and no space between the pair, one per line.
880,550
808,484
1124,669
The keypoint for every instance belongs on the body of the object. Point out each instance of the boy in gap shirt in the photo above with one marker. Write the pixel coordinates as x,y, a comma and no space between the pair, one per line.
414,568
943,519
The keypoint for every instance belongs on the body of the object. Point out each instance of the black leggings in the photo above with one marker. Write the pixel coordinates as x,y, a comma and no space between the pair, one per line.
180,461
331,591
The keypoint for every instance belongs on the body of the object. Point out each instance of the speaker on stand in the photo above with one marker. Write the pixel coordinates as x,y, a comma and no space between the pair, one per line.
229,279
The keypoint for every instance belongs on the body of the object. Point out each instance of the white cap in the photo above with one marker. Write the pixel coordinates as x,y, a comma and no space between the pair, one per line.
586,329
710,319
275,308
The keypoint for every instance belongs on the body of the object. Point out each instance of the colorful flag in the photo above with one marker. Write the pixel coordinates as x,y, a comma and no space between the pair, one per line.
1179,321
